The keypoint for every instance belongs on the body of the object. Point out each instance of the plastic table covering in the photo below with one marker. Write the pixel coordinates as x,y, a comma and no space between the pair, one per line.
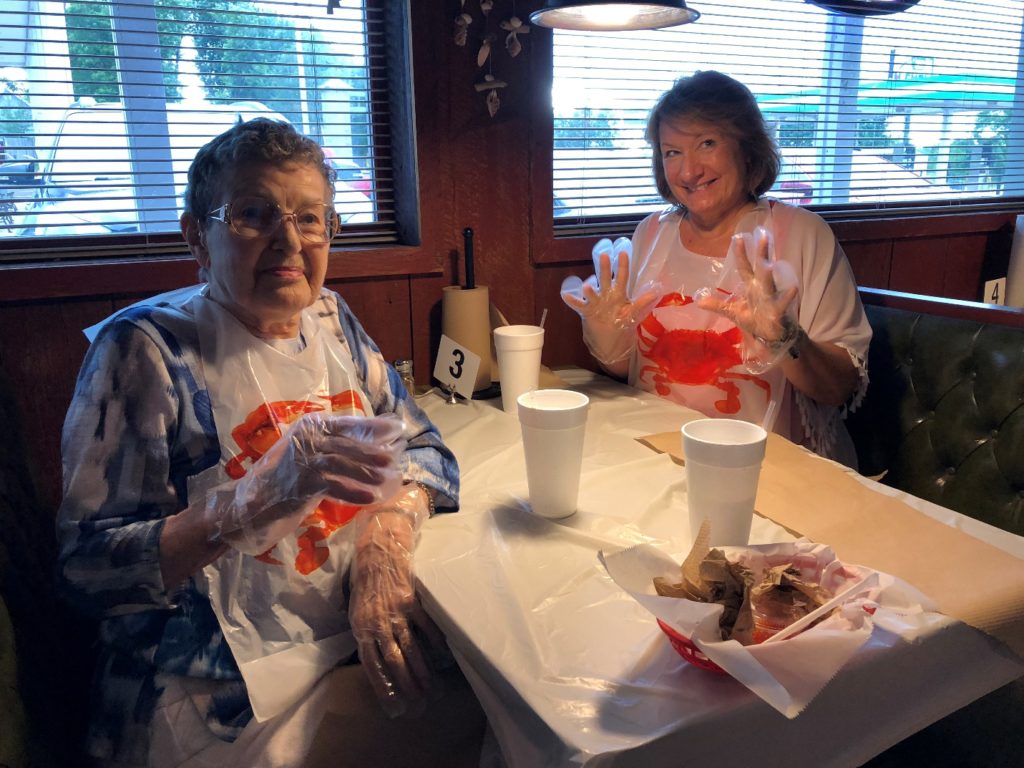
572,671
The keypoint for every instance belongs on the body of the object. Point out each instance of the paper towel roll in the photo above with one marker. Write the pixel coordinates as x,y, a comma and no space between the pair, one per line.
466,319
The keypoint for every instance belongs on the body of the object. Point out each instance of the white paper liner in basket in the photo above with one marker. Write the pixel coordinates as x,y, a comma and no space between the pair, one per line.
788,673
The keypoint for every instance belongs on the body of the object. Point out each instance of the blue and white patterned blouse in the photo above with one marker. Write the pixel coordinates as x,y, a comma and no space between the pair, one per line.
139,425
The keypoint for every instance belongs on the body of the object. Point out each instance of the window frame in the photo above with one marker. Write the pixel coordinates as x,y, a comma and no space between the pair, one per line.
571,238
88,264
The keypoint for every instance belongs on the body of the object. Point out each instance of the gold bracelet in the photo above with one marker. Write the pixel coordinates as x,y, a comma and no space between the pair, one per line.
430,497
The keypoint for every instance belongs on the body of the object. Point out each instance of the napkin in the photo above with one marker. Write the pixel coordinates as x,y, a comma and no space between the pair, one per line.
789,673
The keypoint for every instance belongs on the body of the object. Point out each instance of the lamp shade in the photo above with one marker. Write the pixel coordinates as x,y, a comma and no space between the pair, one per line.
864,7
612,15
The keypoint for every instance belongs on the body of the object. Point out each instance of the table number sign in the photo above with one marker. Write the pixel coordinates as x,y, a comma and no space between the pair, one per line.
456,367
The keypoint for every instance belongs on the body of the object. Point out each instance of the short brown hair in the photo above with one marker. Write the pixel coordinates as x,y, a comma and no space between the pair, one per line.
260,140
718,99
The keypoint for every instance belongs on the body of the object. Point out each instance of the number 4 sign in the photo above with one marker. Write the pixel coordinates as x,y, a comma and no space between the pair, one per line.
995,291
456,366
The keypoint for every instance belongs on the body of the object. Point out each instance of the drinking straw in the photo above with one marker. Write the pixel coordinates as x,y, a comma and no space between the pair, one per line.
766,423
543,316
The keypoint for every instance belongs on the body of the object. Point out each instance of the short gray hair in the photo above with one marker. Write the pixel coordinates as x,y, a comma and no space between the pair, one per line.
260,140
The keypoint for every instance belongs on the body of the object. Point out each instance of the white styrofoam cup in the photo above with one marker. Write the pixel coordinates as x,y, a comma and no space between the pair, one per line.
723,464
518,349
553,423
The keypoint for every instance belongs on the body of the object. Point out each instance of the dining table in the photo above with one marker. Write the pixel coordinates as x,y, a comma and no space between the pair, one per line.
571,670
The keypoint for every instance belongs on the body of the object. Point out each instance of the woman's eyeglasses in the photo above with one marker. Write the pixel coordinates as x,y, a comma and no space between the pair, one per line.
252,217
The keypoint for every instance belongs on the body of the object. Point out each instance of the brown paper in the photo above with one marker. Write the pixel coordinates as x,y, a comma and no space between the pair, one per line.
548,379
666,442
466,319
970,580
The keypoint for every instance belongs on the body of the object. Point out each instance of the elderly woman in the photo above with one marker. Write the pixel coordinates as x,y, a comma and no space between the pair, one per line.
733,304
245,477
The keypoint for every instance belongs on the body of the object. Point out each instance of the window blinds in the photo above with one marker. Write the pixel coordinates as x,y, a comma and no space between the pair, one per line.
874,115
108,101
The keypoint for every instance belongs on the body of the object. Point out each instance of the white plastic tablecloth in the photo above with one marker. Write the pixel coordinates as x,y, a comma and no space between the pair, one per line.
572,671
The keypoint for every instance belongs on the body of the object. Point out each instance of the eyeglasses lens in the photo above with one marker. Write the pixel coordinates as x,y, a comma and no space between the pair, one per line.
255,217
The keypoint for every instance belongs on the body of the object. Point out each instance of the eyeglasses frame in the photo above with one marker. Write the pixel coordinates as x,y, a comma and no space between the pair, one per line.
223,215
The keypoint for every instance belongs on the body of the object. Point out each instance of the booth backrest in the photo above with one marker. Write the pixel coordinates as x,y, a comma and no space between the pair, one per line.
45,651
944,413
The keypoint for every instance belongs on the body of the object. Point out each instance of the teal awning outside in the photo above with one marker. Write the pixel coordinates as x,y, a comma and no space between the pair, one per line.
939,93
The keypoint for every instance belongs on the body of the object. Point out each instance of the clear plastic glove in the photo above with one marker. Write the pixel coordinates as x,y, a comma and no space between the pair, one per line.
763,307
397,639
603,302
352,459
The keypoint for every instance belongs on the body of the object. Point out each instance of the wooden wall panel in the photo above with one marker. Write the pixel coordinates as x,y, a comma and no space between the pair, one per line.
917,261
492,189
948,266
383,308
962,270
563,342
41,350
425,297
871,261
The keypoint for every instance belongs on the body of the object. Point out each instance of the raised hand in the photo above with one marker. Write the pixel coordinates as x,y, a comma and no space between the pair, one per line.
761,307
603,303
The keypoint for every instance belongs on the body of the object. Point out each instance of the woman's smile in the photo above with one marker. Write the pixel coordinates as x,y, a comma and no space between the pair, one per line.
700,187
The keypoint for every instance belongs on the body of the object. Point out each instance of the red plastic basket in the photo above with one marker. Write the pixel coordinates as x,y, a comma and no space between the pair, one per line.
685,648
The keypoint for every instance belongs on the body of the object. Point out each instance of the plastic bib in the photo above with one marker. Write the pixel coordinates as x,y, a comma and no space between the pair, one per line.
283,612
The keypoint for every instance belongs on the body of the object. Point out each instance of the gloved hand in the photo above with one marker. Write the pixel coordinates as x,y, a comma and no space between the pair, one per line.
352,459
603,303
388,622
763,307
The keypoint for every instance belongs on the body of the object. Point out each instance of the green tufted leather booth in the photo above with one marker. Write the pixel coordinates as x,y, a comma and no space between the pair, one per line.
944,413
943,419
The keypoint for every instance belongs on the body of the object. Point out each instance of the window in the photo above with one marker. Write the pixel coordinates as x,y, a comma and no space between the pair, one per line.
105,103
901,112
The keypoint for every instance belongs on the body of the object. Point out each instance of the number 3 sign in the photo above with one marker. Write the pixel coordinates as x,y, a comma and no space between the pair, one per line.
456,366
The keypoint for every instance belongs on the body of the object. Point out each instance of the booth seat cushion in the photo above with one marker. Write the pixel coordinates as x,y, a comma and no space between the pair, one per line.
944,413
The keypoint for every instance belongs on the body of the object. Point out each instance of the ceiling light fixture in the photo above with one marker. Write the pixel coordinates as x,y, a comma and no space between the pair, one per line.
864,7
612,15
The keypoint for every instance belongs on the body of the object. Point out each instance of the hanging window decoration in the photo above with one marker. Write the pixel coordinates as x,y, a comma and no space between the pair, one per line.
477,27
515,27
462,22
490,86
